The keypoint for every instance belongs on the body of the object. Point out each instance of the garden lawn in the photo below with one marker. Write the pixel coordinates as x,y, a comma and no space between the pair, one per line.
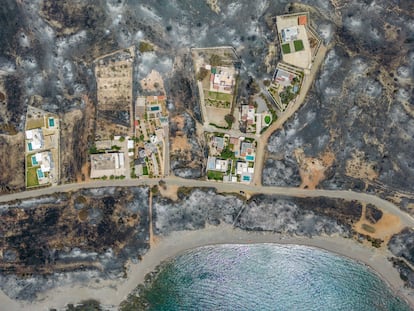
220,96
215,175
286,48
298,45
32,180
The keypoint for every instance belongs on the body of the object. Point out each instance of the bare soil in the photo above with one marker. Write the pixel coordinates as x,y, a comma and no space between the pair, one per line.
12,163
153,82
312,170
383,229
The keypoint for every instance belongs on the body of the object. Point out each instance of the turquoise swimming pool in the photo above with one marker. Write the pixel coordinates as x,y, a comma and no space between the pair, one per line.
40,174
34,161
250,158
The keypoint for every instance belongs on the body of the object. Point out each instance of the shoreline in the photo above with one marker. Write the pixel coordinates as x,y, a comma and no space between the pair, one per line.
113,292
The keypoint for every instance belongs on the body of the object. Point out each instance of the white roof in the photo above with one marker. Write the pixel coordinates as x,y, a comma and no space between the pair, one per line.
221,165
36,138
29,134
121,160
290,33
38,157
46,162
130,144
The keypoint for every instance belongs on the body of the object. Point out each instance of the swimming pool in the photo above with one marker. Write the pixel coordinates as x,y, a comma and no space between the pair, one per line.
51,122
34,161
40,174
250,158
155,108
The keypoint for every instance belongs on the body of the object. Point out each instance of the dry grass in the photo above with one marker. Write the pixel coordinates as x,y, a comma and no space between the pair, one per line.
312,170
357,167
170,191
153,82
384,229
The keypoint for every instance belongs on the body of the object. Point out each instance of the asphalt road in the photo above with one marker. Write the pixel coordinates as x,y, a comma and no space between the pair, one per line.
348,195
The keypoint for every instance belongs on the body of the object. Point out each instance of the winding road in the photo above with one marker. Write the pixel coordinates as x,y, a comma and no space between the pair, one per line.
348,195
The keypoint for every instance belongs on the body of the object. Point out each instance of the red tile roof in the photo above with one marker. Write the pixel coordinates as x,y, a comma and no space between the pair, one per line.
303,20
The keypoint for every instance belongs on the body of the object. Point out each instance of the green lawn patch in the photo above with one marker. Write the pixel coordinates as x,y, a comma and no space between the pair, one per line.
298,45
286,48
267,119
215,175
144,170
220,96
29,160
32,180
227,153
145,47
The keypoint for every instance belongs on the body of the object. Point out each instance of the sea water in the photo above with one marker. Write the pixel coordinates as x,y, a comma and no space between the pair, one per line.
267,277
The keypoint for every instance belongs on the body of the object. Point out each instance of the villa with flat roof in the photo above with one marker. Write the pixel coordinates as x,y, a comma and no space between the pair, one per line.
222,79
34,139
107,164
41,148
290,34
283,77
294,40
215,164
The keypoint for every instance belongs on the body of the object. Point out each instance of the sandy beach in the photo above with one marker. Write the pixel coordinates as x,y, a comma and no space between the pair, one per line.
111,293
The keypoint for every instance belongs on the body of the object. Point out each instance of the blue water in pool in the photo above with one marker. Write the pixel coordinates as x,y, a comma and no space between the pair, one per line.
268,277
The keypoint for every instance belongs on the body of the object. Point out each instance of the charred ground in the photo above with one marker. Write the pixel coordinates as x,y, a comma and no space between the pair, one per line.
97,229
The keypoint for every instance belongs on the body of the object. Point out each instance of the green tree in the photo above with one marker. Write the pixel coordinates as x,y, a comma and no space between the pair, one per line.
227,153
229,119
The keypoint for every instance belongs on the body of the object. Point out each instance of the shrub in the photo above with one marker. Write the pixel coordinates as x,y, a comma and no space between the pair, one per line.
145,47
202,74
215,60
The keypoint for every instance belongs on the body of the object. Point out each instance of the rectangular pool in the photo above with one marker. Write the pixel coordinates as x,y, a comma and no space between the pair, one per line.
246,178
34,161
51,122
40,174
250,158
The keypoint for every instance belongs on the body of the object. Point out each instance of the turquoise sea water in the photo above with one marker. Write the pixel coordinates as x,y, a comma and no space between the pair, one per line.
268,277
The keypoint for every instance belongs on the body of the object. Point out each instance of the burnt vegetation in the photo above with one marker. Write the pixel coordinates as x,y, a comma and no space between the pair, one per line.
41,238
67,18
